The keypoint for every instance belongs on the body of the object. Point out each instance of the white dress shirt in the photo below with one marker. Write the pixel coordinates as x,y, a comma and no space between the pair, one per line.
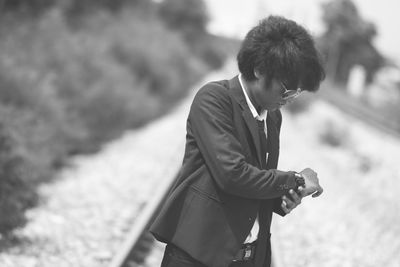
263,116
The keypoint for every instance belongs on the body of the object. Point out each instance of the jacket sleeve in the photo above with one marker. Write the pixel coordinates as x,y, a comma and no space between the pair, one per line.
278,201
211,123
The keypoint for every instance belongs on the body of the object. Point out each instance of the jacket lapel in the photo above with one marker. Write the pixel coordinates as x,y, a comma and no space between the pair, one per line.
237,92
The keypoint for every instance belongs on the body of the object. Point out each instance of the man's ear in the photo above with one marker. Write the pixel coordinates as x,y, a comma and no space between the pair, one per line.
257,74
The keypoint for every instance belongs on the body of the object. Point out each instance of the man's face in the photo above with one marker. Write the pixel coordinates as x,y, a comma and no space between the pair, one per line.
269,96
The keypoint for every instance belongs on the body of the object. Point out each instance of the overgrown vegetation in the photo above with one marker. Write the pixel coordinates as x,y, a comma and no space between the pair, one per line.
348,41
74,74
16,191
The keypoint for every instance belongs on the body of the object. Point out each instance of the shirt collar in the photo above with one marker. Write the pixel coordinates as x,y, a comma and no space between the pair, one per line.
263,115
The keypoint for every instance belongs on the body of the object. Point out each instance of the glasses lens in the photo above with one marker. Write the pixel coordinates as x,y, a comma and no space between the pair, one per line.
291,94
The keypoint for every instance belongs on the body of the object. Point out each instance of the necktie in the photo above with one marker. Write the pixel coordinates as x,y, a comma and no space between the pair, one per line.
263,235
272,144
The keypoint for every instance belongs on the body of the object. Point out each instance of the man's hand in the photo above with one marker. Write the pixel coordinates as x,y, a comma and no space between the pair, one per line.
290,203
312,183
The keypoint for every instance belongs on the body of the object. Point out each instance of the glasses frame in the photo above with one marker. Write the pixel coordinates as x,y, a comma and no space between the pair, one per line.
291,95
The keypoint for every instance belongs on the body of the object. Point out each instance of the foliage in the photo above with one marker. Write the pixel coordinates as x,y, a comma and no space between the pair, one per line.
187,16
68,90
210,49
16,194
348,41
35,7
25,6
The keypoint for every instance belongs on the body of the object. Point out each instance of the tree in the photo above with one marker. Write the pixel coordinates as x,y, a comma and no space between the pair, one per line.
25,6
187,16
16,193
72,7
348,41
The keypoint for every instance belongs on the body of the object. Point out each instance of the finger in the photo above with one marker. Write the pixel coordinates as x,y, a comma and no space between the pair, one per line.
302,192
318,193
284,208
296,198
289,203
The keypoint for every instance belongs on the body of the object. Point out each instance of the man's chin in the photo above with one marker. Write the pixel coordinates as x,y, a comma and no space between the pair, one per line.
278,106
274,108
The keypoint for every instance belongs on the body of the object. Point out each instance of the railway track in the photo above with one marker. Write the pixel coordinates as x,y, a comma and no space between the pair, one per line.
359,110
139,242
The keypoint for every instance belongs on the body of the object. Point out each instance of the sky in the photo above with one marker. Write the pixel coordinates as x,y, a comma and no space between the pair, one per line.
236,17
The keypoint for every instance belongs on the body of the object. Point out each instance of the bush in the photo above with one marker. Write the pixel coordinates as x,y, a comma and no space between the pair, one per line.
16,191
65,91
212,50
93,83
128,80
188,16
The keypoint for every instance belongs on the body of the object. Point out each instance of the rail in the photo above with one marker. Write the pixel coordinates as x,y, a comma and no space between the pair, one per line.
136,244
133,249
359,110
138,240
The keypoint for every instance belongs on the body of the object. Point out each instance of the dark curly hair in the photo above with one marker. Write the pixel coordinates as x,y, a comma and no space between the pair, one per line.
281,49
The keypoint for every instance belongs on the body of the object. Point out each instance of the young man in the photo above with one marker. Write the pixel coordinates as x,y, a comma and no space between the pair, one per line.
219,212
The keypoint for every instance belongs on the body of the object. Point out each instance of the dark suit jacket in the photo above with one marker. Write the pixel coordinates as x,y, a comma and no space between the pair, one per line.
222,183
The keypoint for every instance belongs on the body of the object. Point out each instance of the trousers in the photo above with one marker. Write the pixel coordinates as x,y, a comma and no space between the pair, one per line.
176,257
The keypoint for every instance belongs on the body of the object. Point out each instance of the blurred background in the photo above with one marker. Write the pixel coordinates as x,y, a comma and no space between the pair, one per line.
93,100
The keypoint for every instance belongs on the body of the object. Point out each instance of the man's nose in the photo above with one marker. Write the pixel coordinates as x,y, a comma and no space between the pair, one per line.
283,102
288,100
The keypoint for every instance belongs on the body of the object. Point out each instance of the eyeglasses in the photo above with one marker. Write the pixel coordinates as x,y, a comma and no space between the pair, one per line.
290,94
